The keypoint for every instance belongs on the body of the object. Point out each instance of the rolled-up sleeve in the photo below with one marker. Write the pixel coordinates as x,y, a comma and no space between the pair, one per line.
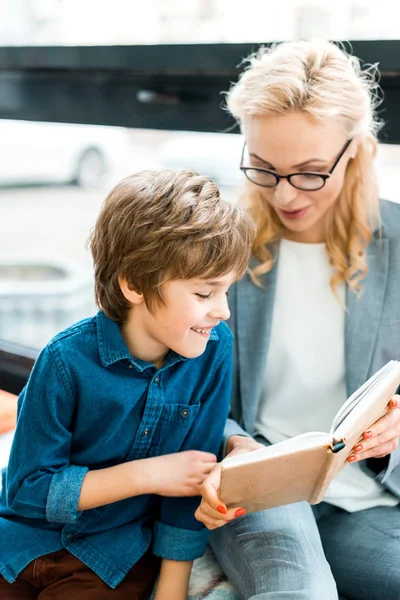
176,543
41,483
178,535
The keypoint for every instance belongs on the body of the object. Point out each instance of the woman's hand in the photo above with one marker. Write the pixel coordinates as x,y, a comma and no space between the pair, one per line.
212,511
382,437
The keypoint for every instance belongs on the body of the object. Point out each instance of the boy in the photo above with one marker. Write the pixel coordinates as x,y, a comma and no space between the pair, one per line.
116,428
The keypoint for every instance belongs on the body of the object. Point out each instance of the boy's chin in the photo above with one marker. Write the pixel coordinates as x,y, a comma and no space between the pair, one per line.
190,352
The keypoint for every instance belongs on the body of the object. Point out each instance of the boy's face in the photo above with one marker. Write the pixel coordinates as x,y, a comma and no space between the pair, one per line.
191,309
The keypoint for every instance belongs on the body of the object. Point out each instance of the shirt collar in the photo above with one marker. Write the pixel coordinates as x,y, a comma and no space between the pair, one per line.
112,346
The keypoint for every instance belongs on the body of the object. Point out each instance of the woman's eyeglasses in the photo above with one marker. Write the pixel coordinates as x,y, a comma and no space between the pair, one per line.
306,181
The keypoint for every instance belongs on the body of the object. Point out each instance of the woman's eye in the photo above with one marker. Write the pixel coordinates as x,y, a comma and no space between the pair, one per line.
203,296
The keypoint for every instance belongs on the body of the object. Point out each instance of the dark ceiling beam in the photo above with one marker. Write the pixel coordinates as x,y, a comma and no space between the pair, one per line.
176,87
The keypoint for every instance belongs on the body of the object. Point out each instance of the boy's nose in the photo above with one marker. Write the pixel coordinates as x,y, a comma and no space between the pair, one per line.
221,310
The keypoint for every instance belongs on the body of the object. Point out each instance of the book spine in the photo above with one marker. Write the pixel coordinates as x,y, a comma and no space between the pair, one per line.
334,461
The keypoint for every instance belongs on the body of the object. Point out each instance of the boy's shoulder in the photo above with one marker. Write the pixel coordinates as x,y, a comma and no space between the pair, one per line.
75,335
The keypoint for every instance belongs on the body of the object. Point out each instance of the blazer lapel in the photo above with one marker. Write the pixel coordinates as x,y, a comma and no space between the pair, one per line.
254,312
363,317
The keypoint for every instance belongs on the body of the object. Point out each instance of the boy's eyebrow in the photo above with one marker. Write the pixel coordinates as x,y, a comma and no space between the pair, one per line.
209,282
302,164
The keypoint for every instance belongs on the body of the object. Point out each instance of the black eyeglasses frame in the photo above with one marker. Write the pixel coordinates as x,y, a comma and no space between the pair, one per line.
324,176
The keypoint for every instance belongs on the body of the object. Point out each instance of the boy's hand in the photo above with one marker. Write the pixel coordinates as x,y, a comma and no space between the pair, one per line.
212,512
180,474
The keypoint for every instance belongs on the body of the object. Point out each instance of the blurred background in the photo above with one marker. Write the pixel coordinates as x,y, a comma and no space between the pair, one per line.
54,176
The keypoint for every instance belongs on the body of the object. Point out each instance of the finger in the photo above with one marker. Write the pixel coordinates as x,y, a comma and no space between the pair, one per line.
212,513
207,467
376,452
207,520
394,402
388,421
391,432
218,514
210,486
214,524
207,457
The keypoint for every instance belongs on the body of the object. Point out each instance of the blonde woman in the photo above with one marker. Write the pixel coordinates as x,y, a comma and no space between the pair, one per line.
318,313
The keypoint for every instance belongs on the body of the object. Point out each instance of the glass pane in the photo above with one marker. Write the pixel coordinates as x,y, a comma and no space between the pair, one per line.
388,167
53,180
89,22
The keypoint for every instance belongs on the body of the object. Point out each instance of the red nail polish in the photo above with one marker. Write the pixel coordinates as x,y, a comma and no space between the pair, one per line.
358,448
239,512
221,509
351,458
393,403
367,435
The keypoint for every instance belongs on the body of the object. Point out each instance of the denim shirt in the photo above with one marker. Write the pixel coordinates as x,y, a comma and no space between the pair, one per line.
89,404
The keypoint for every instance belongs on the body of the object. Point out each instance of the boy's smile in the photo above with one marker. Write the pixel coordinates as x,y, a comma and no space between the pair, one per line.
191,309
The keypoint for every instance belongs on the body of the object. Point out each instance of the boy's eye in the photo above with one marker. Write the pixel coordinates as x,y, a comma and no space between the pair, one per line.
203,296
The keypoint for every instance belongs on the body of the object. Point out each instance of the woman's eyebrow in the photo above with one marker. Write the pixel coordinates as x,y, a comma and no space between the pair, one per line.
302,164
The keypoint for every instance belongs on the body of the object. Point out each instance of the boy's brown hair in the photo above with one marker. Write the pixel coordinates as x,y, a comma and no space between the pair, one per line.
155,226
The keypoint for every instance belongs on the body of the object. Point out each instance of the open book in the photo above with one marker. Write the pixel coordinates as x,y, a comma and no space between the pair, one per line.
302,467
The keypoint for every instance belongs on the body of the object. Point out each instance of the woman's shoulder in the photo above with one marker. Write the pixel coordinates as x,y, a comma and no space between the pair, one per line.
390,218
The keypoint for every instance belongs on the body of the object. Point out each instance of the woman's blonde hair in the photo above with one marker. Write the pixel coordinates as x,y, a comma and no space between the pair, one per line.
325,83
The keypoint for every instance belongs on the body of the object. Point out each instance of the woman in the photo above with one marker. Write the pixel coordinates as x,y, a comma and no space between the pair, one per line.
317,315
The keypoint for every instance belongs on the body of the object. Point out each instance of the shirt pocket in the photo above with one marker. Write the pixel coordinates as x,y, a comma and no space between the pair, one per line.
176,420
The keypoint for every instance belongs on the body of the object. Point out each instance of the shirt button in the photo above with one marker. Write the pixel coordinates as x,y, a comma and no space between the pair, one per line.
146,432
130,367
70,537
185,412
156,379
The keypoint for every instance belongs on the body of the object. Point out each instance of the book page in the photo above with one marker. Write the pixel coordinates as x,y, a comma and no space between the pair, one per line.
365,390
304,441
368,404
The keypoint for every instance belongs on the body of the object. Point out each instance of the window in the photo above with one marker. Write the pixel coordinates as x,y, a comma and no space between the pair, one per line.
73,22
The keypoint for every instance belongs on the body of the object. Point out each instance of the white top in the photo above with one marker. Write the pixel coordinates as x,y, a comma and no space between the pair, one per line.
304,380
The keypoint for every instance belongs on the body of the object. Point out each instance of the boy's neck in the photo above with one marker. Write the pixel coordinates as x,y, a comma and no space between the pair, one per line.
139,342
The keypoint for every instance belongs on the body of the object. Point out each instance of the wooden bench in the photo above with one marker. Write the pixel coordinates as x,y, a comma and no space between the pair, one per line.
8,411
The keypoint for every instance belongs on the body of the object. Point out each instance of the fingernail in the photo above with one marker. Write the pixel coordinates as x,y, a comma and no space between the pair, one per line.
351,458
393,403
367,435
358,448
221,509
239,512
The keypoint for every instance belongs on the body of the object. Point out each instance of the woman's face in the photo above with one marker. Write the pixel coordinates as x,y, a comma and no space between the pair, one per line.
293,143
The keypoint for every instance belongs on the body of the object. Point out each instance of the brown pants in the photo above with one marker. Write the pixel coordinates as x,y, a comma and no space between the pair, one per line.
62,576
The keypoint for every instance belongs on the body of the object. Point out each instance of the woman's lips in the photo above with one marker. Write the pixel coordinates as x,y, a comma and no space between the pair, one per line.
293,214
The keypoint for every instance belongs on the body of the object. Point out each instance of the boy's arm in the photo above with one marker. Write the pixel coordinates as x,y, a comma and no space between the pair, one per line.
178,535
173,581
176,474
41,481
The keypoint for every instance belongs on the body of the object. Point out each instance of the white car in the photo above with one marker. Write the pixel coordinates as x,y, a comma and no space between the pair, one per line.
36,152
214,154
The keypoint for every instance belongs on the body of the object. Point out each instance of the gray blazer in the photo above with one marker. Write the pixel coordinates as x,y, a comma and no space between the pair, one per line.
372,335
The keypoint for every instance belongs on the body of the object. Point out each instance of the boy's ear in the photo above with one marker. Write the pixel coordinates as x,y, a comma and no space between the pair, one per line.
130,294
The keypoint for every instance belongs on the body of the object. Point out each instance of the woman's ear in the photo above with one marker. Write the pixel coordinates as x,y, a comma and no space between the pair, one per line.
355,144
130,294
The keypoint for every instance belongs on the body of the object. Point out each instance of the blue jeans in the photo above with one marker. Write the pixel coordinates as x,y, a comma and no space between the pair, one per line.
297,552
